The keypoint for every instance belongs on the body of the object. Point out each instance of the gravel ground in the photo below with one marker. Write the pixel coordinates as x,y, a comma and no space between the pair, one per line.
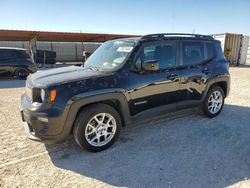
181,149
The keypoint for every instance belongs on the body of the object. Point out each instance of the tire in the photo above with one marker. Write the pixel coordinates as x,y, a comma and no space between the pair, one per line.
102,134
214,102
21,73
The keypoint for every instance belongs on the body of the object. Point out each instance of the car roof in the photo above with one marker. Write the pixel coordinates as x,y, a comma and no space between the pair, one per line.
175,36
12,48
170,36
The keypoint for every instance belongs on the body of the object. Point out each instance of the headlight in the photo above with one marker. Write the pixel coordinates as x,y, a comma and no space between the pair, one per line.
43,94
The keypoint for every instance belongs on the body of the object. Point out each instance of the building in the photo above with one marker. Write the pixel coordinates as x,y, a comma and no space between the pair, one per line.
235,47
68,46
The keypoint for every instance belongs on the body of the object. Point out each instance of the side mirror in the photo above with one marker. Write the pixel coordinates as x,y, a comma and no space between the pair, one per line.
150,66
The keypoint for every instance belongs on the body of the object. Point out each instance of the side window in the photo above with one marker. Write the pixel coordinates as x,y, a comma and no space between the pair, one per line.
164,53
21,54
149,52
5,55
219,51
138,64
210,51
192,53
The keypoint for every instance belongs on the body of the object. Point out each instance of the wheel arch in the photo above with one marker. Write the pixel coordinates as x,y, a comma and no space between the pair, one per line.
115,103
223,82
117,100
20,67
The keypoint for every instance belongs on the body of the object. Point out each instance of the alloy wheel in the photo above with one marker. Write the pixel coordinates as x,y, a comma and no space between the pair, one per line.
23,73
100,129
215,102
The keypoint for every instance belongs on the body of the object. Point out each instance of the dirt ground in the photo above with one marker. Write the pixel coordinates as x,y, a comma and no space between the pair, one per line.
181,149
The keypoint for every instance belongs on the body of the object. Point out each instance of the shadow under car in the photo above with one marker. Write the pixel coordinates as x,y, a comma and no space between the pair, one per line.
191,151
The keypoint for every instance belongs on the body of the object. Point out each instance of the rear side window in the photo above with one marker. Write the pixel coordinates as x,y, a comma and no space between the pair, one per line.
21,54
219,52
210,51
192,53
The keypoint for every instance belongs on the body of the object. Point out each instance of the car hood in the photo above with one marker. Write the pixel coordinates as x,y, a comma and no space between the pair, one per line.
58,76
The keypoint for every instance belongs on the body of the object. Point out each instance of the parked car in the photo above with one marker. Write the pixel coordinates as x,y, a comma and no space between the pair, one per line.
121,79
16,62
45,57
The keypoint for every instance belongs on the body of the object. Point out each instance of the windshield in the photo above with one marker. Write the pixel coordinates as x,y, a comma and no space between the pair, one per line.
110,55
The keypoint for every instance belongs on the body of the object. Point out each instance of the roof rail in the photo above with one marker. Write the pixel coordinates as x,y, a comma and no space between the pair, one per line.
160,36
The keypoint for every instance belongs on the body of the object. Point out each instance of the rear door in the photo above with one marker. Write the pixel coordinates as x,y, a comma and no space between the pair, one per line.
196,59
152,89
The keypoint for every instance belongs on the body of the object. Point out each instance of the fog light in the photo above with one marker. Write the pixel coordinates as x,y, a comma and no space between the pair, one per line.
43,119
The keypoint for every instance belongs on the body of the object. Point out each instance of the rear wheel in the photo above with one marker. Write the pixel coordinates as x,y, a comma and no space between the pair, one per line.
21,73
214,102
97,127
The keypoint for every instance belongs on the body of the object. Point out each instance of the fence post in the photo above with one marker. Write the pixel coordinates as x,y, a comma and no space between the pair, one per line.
44,58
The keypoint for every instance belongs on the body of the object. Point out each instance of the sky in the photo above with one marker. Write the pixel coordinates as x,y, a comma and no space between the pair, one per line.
127,16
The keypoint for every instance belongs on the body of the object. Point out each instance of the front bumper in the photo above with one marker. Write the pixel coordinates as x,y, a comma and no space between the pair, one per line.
31,134
43,125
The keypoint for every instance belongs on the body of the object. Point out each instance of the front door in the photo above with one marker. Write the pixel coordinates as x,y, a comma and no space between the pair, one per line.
152,89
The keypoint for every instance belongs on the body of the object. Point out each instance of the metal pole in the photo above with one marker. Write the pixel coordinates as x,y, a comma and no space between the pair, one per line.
44,58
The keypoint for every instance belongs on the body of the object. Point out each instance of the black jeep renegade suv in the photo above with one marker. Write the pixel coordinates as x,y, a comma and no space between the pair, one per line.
121,79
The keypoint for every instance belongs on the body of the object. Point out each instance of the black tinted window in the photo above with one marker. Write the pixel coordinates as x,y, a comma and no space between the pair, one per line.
192,53
209,50
164,53
5,54
219,51
21,54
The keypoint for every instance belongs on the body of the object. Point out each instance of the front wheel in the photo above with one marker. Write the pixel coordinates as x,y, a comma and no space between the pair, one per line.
214,102
97,127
